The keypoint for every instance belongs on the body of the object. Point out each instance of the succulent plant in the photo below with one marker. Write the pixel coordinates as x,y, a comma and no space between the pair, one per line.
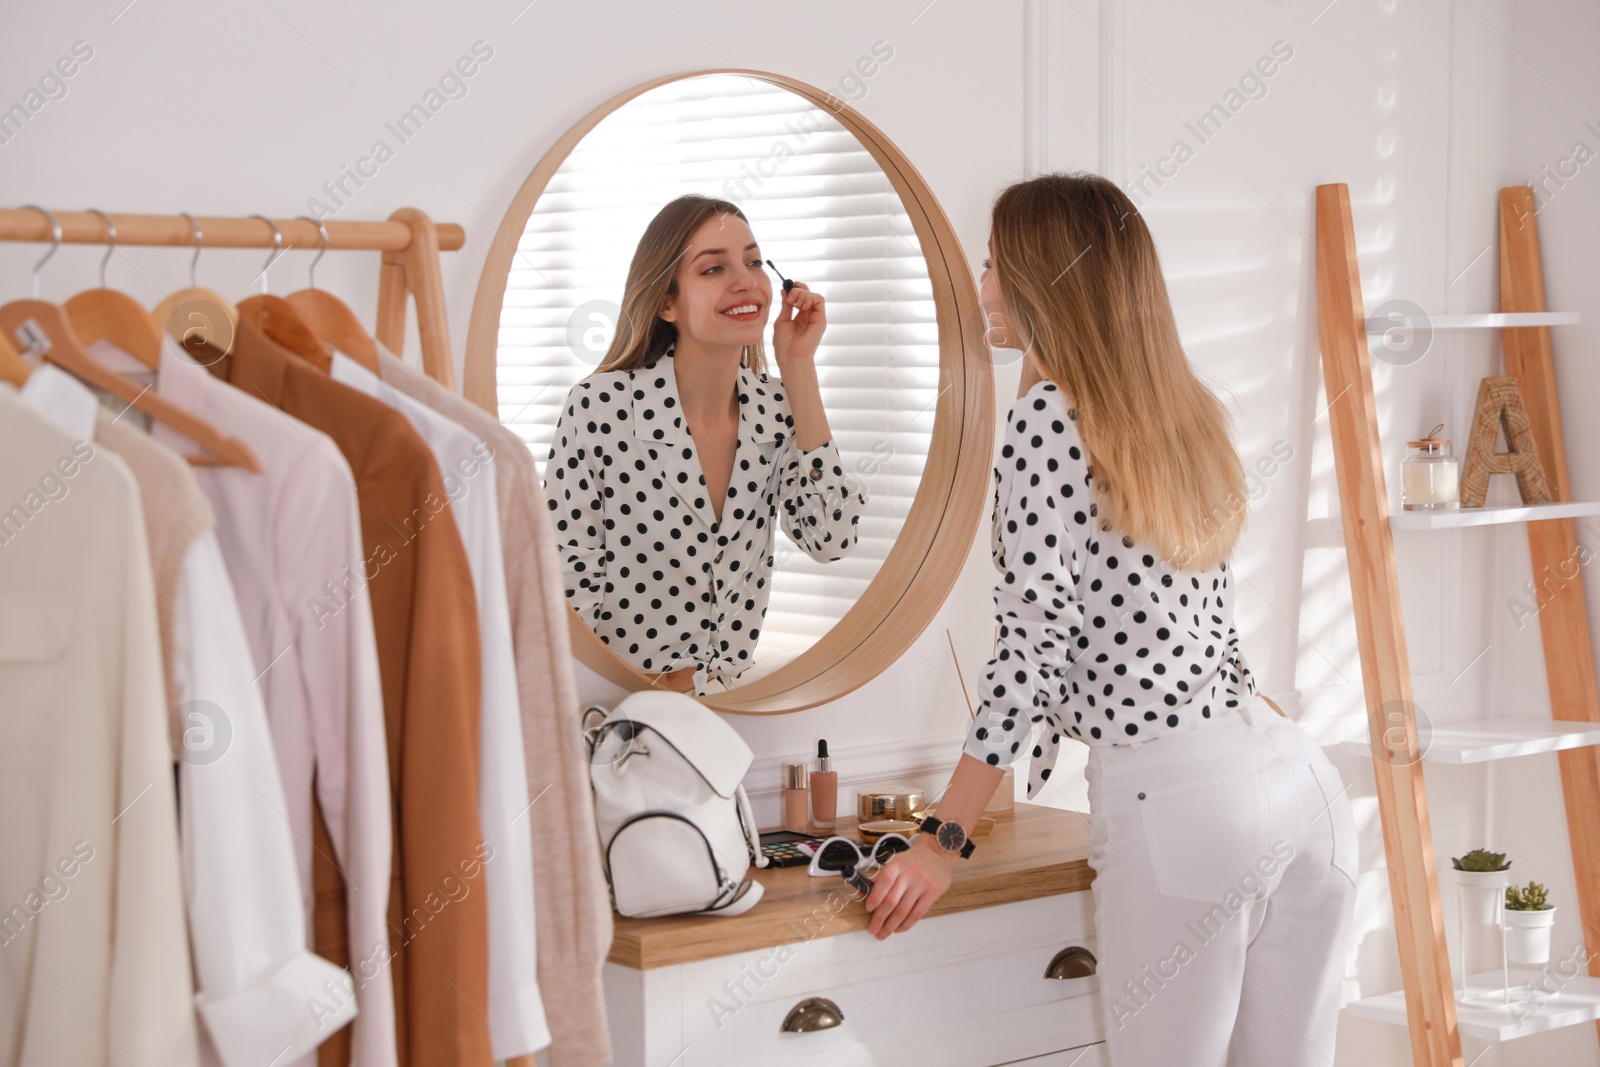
1481,860
1528,898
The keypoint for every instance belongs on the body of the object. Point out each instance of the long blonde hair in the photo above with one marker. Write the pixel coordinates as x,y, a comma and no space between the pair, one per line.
1084,294
642,334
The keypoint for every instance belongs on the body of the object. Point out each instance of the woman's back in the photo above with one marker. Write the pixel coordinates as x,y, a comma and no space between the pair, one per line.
1100,638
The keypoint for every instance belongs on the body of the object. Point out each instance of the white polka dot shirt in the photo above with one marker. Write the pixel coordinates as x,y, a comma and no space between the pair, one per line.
1100,639
644,560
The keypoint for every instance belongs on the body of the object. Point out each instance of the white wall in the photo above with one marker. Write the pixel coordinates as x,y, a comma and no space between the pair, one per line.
1424,111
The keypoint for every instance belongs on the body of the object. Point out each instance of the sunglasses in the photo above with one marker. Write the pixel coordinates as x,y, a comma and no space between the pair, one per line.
837,853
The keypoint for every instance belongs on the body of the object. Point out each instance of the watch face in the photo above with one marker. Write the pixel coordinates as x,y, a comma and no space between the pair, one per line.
951,836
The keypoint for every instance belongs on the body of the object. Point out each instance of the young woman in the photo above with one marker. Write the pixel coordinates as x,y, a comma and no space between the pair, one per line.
676,460
1221,840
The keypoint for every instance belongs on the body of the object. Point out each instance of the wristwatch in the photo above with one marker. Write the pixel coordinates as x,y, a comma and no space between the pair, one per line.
952,836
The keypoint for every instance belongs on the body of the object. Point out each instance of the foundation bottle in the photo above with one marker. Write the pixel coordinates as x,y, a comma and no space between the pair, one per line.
824,790
795,795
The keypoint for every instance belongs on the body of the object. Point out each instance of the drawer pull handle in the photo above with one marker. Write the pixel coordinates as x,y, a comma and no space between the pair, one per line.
813,1013
1074,961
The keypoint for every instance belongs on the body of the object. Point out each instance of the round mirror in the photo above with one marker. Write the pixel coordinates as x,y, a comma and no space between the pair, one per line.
901,372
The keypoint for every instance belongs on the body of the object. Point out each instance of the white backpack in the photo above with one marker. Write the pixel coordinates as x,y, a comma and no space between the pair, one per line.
677,833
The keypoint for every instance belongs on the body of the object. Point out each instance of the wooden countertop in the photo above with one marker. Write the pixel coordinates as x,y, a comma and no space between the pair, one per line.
1032,851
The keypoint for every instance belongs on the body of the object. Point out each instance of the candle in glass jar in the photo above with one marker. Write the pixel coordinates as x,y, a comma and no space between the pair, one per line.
1430,477
1431,483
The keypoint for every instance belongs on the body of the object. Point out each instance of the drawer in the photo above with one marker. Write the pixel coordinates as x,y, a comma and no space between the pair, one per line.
962,990
942,1019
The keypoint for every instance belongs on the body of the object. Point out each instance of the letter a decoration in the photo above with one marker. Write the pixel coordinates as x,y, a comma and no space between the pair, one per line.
1500,408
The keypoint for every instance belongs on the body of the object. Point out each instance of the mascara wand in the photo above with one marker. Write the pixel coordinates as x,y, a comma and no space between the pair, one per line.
787,284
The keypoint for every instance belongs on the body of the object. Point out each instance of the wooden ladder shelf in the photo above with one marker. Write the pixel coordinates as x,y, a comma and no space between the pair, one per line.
1430,1007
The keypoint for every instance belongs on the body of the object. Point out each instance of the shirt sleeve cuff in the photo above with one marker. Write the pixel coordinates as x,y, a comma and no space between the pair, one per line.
822,470
825,455
297,1008
978,746
520,1027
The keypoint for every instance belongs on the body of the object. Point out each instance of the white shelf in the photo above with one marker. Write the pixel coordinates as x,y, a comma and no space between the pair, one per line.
1491,321
1494,739
1453,518
1576,1000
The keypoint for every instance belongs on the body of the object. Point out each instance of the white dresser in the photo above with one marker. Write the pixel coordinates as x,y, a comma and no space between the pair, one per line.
965,987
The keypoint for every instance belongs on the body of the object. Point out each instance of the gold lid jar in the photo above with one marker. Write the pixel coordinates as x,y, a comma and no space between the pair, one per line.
889,802
1430,475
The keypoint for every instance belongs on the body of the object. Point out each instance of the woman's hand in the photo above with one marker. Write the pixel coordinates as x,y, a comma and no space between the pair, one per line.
798,327
908,885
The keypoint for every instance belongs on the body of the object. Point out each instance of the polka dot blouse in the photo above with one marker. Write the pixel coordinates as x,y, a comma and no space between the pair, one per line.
644,560
1100,639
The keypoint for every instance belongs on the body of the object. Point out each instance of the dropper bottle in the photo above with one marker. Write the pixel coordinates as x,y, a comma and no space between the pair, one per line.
824,790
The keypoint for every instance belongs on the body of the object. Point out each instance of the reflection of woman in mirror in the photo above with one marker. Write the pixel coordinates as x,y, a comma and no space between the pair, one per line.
674,463
1223,846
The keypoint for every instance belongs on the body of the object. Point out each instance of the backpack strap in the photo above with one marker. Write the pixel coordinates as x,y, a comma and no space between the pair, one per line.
747,823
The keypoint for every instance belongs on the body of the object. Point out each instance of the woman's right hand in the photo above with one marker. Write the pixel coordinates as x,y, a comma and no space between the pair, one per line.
908,885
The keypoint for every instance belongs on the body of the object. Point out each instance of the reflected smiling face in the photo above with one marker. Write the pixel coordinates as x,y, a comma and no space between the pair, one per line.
723,295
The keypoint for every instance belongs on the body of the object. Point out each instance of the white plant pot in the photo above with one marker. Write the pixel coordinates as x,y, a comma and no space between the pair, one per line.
1528,935
1482,895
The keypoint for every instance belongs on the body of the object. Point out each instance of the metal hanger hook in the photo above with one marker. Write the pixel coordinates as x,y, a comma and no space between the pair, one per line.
311,272
277,249
55,235
111,241
199,243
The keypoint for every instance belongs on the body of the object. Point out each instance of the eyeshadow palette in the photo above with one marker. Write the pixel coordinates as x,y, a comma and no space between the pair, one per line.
784,848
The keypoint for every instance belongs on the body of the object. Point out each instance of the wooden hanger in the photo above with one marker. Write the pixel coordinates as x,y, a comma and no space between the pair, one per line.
281,321
196,323
13,368
43,328
331,317
106,315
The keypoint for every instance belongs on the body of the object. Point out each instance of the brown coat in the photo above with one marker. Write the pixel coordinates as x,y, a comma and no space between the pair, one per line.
425,615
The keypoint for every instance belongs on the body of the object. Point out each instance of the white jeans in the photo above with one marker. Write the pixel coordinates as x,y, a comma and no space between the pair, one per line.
1225,866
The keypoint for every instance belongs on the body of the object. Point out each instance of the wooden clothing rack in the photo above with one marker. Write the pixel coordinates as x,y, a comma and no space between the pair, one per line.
410,242
1428,1004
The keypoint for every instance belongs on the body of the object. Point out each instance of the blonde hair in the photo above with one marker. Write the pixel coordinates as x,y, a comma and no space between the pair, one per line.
1084,295
642,335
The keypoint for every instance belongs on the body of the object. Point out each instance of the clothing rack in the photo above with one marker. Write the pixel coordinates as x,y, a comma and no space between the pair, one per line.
410,242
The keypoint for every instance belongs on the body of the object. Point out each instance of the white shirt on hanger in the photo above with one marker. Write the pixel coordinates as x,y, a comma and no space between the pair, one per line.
253,973
517,1022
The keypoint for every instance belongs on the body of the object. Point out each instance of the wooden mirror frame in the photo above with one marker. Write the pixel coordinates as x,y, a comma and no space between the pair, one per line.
934,542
